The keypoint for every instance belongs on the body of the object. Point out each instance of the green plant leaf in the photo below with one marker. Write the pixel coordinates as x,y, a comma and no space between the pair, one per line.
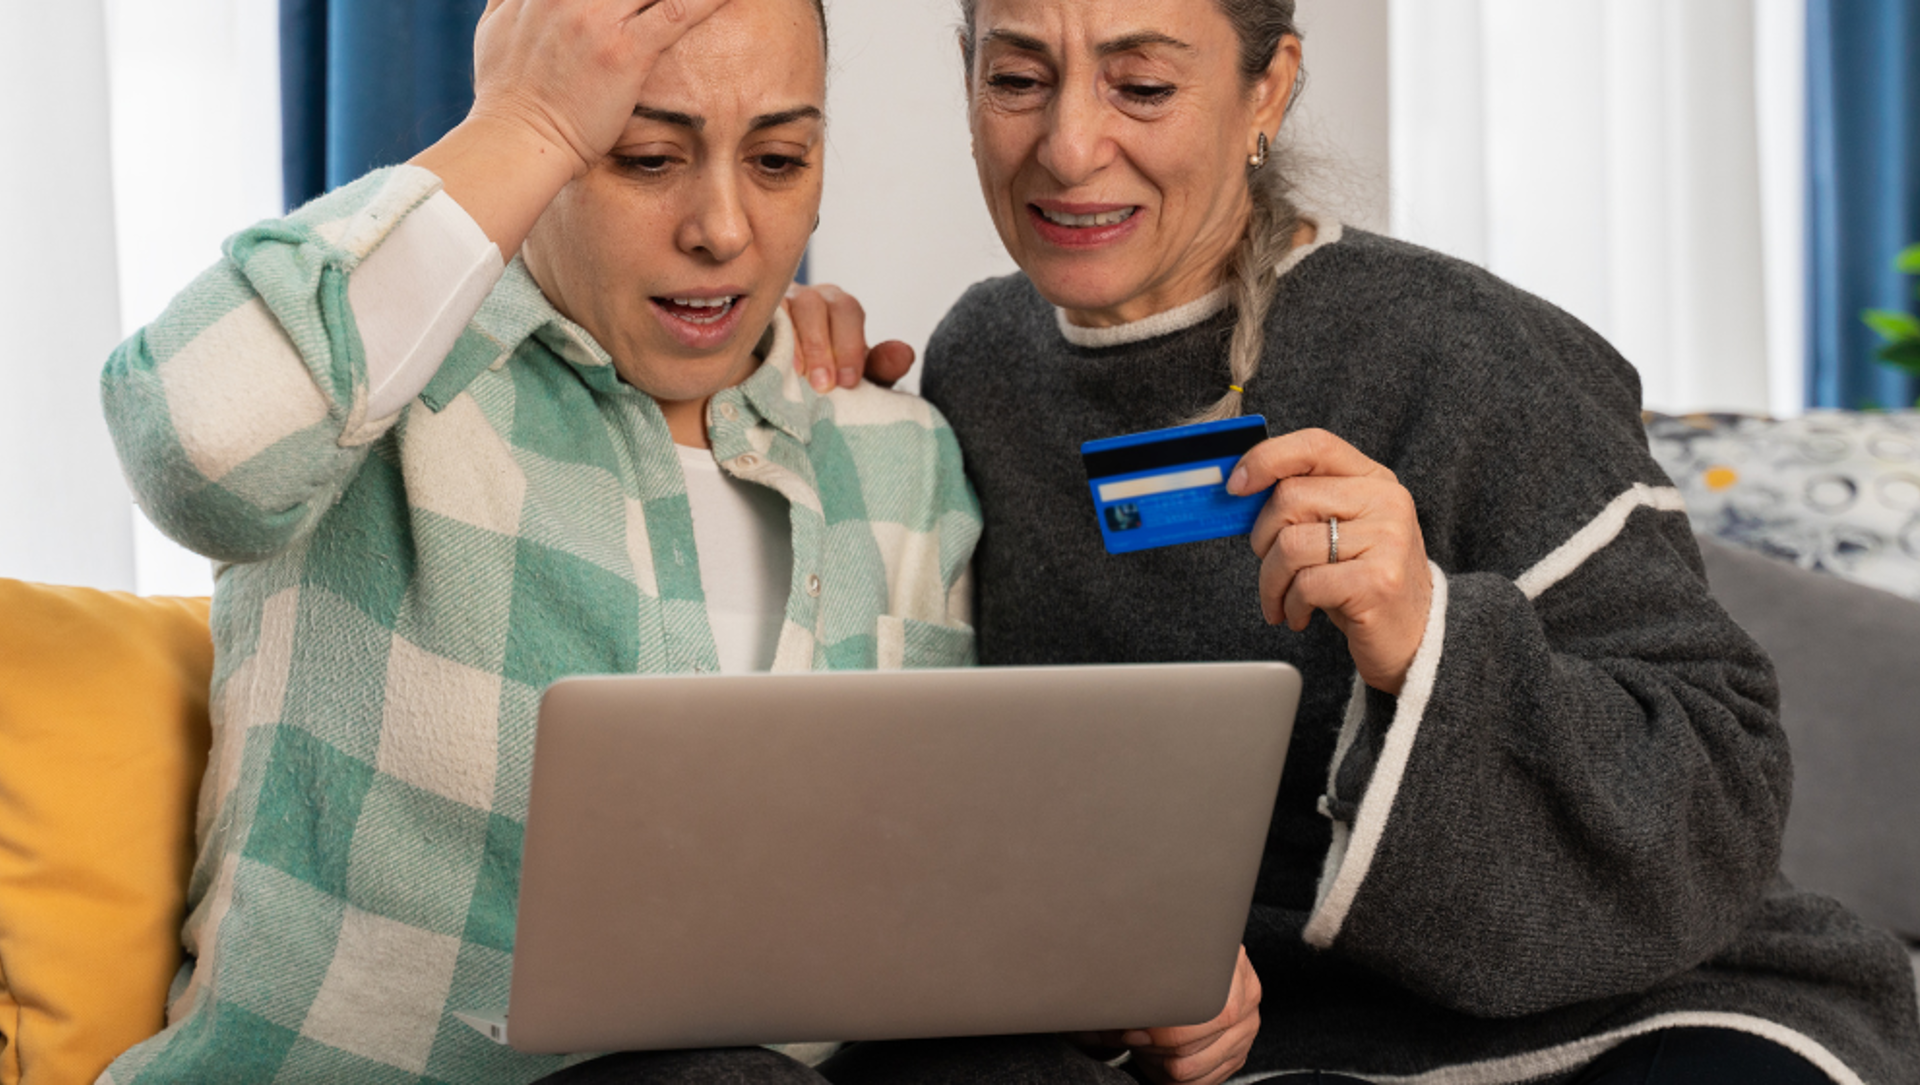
1893,327
1908,262
1904,355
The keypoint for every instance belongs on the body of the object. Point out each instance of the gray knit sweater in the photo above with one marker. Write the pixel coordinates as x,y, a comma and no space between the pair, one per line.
1566,829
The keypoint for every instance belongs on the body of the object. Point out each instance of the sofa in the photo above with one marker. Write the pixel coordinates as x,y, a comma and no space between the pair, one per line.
1810,528
1848,659
103,736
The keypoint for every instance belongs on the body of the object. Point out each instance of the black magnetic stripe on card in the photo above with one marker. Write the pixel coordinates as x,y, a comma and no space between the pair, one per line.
1131,459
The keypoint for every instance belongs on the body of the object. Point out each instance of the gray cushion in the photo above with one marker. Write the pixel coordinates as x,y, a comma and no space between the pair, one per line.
1849,663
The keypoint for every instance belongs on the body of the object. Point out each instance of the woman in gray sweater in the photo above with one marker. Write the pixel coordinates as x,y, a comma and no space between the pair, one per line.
1530,824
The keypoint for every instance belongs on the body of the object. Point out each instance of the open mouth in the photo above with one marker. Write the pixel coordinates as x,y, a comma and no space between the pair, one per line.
1085,227
698,311
1087,222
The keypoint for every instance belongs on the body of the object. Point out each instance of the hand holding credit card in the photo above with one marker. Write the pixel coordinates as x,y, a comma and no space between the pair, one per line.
1169,486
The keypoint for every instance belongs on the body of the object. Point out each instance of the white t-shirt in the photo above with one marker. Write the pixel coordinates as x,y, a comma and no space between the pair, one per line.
745,542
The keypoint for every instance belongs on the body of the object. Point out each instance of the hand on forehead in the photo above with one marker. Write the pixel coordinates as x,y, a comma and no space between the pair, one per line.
747,58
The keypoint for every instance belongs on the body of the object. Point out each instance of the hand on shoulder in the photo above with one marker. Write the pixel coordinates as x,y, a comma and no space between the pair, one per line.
830,327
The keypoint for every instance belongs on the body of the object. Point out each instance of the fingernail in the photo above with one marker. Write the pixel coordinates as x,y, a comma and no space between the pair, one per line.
1136,1038
1237,480
821,379
849,376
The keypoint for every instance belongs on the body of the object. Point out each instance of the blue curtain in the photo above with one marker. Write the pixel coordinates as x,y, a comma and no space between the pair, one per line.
1863,137
368,83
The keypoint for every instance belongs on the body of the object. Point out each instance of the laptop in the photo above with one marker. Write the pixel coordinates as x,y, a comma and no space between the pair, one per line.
732,860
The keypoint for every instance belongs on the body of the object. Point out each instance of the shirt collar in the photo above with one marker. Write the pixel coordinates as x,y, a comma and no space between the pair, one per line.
775,391
517,310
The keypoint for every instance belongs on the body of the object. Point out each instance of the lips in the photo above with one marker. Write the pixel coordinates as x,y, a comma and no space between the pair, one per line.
1082,226
700,321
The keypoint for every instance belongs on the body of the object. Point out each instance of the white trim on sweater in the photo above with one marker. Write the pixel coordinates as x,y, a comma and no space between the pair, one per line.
1534,1065
1327,231
1599,532
1352,851
1176,319
1350,858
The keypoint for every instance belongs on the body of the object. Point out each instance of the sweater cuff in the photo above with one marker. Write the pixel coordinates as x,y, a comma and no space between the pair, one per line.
1350,857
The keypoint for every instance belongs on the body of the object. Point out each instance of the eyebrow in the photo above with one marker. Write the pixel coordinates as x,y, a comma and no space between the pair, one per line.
785,116
1133,43
764,120
664,116
1127,43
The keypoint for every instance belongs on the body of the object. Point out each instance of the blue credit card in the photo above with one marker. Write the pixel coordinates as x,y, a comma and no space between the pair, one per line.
1169,486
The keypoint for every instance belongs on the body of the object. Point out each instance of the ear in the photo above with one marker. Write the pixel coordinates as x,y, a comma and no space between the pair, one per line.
1273,94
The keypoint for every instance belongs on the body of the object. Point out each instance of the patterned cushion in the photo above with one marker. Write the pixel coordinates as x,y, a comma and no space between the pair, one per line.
1833,491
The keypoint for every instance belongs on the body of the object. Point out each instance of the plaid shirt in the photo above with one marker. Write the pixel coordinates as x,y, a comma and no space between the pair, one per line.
397,593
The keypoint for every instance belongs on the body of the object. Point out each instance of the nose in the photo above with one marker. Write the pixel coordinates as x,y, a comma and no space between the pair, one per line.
716,226
1077,144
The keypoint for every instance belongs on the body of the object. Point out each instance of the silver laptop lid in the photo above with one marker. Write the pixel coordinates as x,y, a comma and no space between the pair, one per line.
777,858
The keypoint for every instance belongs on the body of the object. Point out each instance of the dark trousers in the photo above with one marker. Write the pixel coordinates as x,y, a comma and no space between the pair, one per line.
1704,1056
1694,1056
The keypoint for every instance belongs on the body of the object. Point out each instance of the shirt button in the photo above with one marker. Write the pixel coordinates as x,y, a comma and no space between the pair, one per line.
813,584
729,412
747,462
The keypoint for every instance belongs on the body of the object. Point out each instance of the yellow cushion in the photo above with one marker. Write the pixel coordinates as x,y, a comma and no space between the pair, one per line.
103,738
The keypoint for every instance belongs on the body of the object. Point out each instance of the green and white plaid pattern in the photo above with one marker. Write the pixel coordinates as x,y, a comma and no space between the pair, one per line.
398,594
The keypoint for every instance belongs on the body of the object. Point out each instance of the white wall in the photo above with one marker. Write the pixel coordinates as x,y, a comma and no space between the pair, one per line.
1342,124
64,511
903,226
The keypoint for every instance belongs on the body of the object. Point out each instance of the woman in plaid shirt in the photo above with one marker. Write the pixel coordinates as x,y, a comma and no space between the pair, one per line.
522,408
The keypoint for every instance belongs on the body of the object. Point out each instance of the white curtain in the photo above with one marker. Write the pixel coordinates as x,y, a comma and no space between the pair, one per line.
64,512
134,137
1609,156
196,157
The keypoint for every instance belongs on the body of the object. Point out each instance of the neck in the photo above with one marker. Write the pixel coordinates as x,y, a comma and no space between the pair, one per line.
687,421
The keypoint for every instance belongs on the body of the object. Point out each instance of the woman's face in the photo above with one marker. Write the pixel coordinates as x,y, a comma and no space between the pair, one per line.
676,248
1112,139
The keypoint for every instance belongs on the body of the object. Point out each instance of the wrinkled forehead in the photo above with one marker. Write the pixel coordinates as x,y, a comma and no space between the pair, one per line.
749,58
1088,24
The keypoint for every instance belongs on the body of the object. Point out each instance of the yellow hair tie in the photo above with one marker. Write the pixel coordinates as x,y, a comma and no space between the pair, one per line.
1238,389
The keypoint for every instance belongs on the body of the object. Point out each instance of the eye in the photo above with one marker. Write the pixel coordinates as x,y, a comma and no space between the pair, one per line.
778,165
642,163
1147,93
1013,84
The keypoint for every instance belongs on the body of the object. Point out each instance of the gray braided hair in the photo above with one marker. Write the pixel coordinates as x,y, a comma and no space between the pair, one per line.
1260,26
